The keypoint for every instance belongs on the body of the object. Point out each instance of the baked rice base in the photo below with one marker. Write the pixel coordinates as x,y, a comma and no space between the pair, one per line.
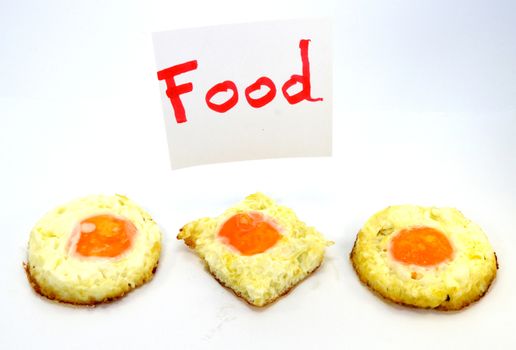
439,307
37,288
269,301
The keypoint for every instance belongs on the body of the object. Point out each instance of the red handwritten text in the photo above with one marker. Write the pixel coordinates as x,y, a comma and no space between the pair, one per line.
174,91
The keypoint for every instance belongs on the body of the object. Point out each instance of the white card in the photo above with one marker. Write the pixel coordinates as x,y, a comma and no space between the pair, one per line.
246,91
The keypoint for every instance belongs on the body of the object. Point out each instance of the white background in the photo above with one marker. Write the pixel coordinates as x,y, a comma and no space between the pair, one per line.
424,113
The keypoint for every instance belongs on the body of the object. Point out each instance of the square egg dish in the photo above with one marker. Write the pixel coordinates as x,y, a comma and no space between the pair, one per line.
258,249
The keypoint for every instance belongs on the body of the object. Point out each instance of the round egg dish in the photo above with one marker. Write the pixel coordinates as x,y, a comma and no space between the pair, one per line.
431,258
258,249
92,250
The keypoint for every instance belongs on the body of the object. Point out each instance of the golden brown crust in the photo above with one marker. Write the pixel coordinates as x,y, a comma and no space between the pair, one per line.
37,288
439,307
189,241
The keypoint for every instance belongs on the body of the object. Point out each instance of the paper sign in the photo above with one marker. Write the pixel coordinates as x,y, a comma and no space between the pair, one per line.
247,91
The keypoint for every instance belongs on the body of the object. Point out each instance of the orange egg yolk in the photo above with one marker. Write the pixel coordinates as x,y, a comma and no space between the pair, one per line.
104,236
423,246
249,233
